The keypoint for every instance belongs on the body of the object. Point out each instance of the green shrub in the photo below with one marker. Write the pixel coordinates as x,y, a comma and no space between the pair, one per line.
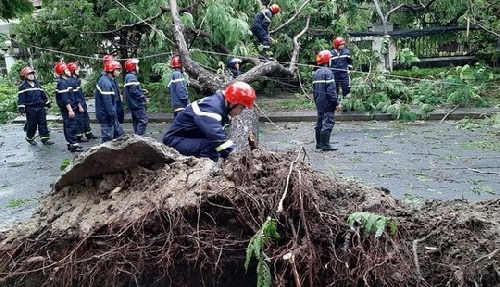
8,100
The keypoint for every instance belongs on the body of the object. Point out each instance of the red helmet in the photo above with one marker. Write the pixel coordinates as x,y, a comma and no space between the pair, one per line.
323,57
72,67
108,58
274,8
176,62
338,41
131,64
25,71
60,67
240,93
111,66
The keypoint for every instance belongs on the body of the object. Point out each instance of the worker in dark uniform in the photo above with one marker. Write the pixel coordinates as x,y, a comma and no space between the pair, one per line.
119,106
260,29
83,130
67,103
341,64
32,101
233,66
198,129
106,101
177,87
134,95
325,98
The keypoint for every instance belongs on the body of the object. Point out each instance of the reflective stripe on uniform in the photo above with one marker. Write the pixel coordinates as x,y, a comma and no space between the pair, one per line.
64,91
176,81
20,106
225,145
104,92
324,81
341,56
30,89
132,84
265,16
197,111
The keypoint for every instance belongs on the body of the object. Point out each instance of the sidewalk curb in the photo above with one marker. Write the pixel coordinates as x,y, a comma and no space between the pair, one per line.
310,116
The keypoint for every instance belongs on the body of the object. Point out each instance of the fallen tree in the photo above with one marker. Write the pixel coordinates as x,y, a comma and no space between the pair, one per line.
161,219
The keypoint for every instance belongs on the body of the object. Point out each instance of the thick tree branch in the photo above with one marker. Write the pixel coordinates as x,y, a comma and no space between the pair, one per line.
302,6
296,47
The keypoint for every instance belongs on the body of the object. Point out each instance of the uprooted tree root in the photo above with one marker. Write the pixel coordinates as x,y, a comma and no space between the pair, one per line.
199,238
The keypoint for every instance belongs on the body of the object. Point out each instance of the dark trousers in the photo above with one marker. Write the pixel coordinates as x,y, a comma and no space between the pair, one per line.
69,127
262,36
343,80
111,130
139,120
86,124
36,117
120,112
197,147
325,121
79,118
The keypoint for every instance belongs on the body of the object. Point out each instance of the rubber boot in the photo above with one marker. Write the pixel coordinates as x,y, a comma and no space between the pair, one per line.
81,139
47,142
266,54
318,139
31,142
325,141
90,136
75,147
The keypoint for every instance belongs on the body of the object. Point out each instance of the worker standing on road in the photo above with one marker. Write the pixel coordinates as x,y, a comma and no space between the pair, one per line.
32,101
136,100
325,98
341,64
68,104
83,130
198,129
106,101
119,106
177,86
260,29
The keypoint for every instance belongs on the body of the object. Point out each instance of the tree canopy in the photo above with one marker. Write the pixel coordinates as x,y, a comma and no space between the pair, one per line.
85,30
11,9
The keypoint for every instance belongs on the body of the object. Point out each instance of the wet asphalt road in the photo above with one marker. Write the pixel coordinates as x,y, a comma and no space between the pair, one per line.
418,160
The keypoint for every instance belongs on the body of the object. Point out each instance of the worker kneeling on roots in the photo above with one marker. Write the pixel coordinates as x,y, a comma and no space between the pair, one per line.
198,129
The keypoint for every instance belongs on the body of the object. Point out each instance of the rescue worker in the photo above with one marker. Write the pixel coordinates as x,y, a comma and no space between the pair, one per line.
134,95
83,130
67,103
119,107
198,130
32,101
341,64
234,67
177,86
106,101
260,29
325,98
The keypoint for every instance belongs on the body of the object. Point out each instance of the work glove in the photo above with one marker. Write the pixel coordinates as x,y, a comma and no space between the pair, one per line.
145,91
21,110
225,152
48,105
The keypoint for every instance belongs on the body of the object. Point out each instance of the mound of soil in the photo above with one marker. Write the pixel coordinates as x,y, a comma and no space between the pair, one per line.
133,212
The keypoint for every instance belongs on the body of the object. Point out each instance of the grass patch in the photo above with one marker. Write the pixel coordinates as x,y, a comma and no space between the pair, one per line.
15,203
482,144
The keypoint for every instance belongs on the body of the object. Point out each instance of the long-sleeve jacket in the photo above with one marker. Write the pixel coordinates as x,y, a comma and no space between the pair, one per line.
262,20
133,92
205,119
178,90
106,98
341,61
28,95
324,90
65,94
78,92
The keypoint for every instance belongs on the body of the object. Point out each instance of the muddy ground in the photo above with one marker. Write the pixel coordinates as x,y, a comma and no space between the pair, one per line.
186,222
